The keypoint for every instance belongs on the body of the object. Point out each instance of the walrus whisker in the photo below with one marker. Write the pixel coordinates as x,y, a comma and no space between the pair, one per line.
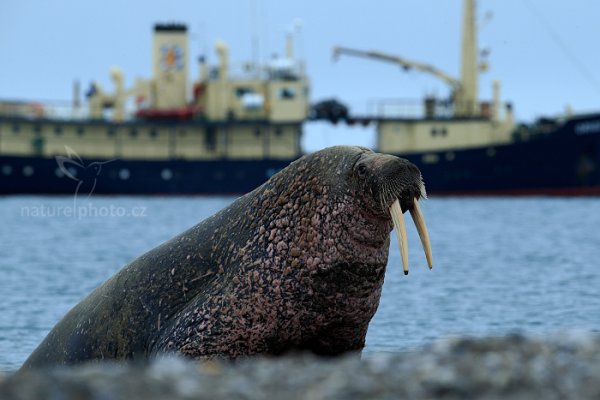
398,218
419,221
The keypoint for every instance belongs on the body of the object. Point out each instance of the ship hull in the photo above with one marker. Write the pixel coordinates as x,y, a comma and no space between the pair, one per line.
37,175
564,161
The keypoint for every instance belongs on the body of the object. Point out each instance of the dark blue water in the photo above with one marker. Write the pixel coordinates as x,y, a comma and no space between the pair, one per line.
501,265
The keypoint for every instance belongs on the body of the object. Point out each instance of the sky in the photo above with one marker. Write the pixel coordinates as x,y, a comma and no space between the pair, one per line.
545,53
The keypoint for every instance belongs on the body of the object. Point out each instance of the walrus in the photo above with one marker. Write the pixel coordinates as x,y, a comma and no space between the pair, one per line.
296,265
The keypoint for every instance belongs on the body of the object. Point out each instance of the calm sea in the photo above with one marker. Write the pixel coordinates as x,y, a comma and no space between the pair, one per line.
501,265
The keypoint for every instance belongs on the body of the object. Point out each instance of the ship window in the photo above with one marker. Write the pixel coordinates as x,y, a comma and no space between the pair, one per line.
28,170
257,131
58,129
287,93
440,132
166,174
211,139
124,174
111,131
133,132
182,132
37,128
80,130
242,91
16,128
278,131
219,175
152,133
270,172
430,158
6,170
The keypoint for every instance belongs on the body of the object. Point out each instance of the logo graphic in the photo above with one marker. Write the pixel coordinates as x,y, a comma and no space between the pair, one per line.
74,168
171,58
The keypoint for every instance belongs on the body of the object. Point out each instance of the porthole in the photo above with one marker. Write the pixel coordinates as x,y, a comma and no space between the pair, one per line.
219,175
28,170
72,171
240,174
450,156
166,174
491,152
59,173
270,172
6,170
430,158
124,174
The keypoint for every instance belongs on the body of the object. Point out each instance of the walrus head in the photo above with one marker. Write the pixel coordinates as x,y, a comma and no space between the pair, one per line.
395,185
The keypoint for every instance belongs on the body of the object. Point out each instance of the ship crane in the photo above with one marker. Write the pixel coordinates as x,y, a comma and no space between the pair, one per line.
464,90
463,105
403,62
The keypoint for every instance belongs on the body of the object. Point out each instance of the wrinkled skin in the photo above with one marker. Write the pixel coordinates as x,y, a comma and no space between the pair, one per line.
297,264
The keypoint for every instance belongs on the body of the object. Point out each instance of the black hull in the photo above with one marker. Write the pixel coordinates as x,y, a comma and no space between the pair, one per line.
565,161
31,175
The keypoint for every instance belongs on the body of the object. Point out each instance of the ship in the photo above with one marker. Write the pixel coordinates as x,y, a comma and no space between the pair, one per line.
226,134
465,146
229,131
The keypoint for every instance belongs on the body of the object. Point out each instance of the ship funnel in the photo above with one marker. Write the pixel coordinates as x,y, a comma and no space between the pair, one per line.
170,66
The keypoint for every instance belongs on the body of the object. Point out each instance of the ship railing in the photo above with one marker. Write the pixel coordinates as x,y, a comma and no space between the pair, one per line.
54,109
411,108
428,108
275,69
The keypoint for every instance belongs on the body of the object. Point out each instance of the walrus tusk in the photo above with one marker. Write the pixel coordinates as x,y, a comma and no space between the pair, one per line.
419,221
400,226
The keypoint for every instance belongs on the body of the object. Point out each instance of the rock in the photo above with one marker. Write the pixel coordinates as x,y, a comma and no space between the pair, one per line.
515,367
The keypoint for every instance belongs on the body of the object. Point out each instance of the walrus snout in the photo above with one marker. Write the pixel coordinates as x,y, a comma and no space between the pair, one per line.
397,186
391,178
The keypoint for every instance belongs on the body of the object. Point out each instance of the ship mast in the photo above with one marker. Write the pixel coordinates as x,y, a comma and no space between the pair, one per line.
467,96
464,90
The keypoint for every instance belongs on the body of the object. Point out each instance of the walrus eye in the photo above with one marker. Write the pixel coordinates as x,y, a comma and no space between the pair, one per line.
362,170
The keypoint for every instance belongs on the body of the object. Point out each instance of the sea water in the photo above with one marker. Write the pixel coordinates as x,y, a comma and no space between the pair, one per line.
504,265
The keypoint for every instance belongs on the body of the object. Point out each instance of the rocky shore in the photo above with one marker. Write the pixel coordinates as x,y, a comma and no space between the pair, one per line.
514,367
